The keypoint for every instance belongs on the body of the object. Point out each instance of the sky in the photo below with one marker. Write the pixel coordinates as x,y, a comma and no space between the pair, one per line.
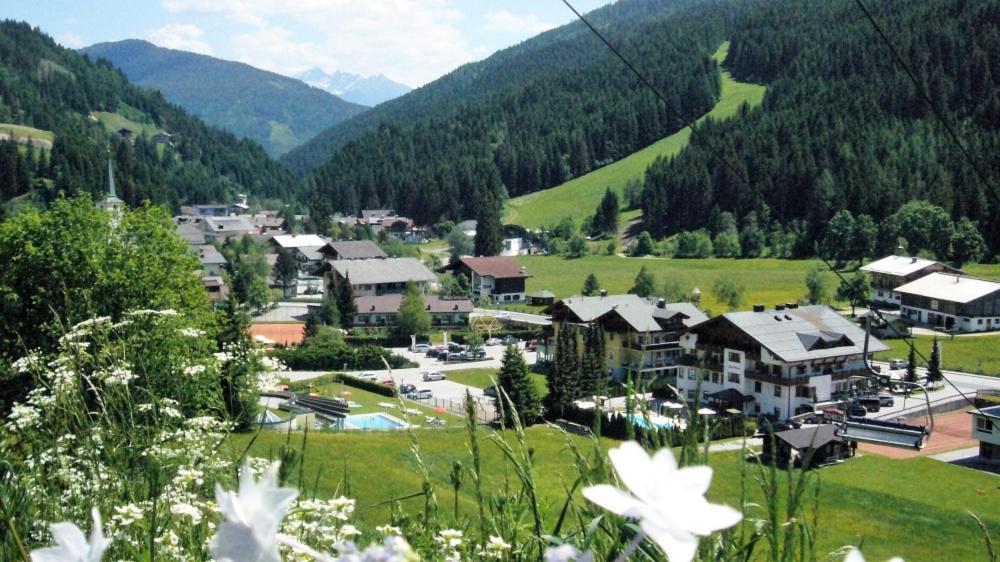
410,41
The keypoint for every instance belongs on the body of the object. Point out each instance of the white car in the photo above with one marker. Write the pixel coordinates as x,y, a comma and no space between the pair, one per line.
422,394
367,376
421,348
897,364
433,376
494,341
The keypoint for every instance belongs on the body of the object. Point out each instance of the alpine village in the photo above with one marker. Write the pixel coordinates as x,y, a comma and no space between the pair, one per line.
574,280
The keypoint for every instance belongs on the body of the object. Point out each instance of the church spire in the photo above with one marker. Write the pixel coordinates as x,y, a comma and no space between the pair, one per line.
111,182
111,202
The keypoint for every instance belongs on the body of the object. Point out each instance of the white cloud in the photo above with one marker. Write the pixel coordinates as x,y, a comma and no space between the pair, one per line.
507,22
413,41
69,39
183,36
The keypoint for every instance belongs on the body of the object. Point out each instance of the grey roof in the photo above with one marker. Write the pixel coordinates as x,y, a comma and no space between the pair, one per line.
898,265
992,411
228,225
191,232
389,270
804,333
208,255
355,249
809,437
949,287
640,313
377,213
543,294
310,253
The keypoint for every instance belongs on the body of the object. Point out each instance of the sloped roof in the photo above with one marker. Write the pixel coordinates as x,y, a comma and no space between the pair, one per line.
191,232
208,255
354,249
810,437
389,270
950,287
498,267
898,265
228,224
792,334
289,241
389,304
640,313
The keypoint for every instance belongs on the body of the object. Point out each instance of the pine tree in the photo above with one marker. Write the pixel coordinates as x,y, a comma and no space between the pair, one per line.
592,364
413,318
312,325
489,231
606,217
644,284
329,314
591,285
286,268
345,301
563,383
911,365
518,387
934,363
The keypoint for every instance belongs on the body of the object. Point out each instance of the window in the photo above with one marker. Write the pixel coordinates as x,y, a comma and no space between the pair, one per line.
777,391
716,378
690,394
691,374
800,369
984,425
777,412
734,357
802,392
758,387
734,377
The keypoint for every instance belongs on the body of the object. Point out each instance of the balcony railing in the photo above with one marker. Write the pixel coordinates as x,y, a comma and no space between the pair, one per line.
651,346
792,380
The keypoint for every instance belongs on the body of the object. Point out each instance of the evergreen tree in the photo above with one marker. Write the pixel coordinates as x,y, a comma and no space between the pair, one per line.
518,387
233,322
563,383
592,365
329,313
934,363
606,217
489,231
577,247
644,283
312,325
590,285
643,245
286,268
413,318
911,365
346,306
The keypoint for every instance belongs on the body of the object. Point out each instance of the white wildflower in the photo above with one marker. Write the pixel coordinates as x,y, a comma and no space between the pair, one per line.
153,313
567,553
191,332
388,530
22,416
187,509
669,502
73,545
127,514
855,556
116,376
193,370
451,538
495,548
252,518
28,363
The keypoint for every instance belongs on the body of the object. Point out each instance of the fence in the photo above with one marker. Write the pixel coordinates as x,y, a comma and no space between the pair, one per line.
485,408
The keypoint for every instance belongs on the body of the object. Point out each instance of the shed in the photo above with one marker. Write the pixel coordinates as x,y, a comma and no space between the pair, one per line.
542,297
819,445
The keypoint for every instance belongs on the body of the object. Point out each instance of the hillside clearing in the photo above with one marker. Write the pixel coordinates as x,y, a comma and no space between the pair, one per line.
579,197
22,134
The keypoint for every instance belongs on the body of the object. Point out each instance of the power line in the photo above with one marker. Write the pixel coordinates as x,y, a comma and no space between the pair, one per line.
930,103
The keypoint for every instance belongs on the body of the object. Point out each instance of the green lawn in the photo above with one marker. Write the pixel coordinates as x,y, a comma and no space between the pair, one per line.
891,505
114,121
20,132
368,400
579,197
480,378
972,354
766,281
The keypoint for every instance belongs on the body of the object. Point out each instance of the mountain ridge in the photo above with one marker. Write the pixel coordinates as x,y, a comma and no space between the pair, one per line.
276,111
364,90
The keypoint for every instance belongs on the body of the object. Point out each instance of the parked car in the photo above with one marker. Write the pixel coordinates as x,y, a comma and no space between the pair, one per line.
857,411
389,382
886,400
432,352
494,341
455,347
455,357
896,364
474,354
407,388
511,340
433,376
870,403
422,394
490,391
421,348
367,376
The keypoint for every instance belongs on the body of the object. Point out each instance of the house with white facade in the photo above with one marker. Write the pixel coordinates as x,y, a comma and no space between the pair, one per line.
499,277
952,302
894,271
776,361
986,430
376,277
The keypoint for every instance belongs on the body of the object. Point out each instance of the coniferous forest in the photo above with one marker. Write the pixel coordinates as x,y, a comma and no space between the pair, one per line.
48,87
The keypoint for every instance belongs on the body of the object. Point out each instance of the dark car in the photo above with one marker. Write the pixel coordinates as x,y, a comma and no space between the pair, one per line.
455,357
886,400
433,352
871,403
857,411
490,391
455,348
405,389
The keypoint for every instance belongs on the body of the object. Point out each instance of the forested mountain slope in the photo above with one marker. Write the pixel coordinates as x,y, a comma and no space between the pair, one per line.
841,126
527,118
48,87
276,111
365,90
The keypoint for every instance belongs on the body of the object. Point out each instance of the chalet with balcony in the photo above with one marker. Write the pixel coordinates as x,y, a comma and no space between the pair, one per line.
889,273
370,278
381,311
986,430
352,250
640,335
952,302
500,278
777,361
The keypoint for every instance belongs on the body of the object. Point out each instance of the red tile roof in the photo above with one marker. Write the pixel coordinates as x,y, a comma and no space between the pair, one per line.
498,267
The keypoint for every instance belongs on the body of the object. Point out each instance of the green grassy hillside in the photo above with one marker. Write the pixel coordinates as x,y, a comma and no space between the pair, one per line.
22,133
579,197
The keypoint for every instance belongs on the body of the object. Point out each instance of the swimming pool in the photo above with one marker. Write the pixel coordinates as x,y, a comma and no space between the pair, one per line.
374,421
654,420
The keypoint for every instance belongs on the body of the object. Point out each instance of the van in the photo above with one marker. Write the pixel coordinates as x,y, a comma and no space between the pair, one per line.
422,394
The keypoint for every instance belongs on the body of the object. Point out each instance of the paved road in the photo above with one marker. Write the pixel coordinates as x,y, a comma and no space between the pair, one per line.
515,317
966,384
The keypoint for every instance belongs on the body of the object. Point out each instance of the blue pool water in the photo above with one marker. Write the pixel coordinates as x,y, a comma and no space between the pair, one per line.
373,421
638,419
